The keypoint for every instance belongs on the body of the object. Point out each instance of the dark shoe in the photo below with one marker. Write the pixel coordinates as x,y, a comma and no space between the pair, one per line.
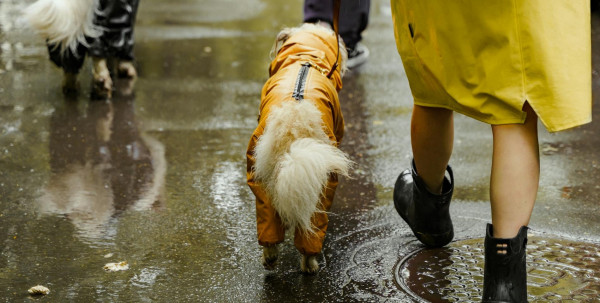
357,56
505,273
427,214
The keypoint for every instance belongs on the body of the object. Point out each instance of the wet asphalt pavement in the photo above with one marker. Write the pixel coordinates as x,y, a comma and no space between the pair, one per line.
156,176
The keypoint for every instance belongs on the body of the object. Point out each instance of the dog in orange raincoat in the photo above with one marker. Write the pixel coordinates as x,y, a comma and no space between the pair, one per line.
292,159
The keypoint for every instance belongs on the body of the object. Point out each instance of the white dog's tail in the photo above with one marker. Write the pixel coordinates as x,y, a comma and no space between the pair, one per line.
293,159
64,23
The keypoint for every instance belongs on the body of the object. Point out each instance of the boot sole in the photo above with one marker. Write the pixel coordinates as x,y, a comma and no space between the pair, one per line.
435,240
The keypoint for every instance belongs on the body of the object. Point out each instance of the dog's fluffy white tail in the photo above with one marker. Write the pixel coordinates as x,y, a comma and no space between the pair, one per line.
293,159
64,23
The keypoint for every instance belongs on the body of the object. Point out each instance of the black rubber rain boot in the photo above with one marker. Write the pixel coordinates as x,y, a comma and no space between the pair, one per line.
505,273
427,214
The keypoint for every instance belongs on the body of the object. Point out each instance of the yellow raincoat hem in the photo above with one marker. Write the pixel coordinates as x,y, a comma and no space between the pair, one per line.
512,120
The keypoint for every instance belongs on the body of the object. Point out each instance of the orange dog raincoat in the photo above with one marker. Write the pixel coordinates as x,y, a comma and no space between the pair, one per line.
299,72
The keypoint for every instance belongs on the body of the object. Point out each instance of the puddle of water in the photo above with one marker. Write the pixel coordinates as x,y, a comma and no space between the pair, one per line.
558,270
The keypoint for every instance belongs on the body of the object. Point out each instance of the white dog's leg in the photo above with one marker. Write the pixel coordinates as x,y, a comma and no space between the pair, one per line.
269,257
126,69
102,81
309,264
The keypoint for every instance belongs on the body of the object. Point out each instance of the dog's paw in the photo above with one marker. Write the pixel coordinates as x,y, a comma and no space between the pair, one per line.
125,69
102,86
269,257
309,264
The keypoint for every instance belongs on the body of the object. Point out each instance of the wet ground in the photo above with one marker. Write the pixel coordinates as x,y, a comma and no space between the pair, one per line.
156,176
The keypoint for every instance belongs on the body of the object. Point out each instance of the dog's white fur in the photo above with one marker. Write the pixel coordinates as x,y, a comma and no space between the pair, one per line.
65,23
294,157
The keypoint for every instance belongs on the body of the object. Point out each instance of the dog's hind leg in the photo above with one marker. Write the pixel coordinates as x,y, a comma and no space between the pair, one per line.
269,257
69,84
309,264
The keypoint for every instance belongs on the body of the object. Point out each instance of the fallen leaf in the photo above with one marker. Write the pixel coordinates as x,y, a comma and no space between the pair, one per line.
38,290
116,266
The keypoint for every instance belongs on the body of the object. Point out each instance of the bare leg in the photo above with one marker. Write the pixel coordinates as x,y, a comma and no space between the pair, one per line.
515,175
432,137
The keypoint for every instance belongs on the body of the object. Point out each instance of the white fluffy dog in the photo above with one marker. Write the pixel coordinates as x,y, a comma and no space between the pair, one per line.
65,23
72,30
293,159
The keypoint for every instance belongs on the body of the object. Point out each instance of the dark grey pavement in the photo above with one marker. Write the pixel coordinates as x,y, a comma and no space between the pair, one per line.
156,176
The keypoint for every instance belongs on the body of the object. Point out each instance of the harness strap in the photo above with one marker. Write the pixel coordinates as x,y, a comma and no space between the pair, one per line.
336,17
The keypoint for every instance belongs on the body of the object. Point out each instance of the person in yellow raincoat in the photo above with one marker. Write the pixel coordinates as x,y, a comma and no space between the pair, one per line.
298,74
506,63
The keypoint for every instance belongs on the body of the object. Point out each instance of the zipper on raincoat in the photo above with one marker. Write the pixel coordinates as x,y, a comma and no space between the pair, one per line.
301,82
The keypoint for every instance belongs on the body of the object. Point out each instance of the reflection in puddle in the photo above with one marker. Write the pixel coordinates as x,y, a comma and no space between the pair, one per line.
558,270
101,165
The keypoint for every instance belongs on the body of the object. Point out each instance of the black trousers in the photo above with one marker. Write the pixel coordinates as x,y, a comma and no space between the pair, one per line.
117,19
354,17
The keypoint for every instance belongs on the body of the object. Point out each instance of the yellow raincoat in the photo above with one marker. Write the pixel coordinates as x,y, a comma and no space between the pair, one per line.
485,59
319,50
